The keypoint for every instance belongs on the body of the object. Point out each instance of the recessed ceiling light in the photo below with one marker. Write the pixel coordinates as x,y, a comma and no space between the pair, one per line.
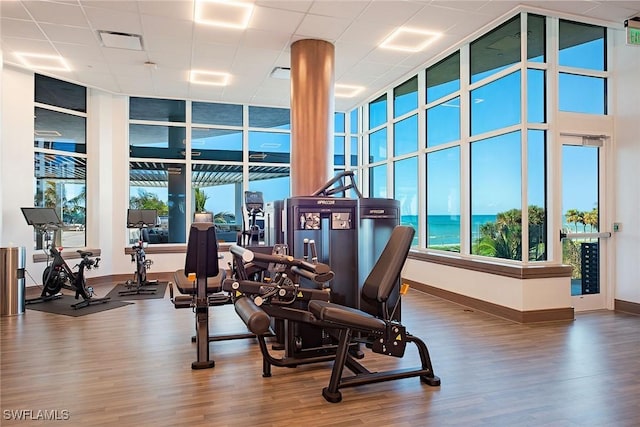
283,73
120,40
43,62
347,91
409,39
223,13
212,78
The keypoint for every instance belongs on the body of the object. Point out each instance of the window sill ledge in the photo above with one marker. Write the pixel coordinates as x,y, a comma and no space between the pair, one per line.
522,272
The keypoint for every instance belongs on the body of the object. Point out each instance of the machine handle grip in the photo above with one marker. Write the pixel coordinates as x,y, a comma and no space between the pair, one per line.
317,278
239,251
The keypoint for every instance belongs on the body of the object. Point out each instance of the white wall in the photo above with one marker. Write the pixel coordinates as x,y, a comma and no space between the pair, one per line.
521,295
626,92
16,161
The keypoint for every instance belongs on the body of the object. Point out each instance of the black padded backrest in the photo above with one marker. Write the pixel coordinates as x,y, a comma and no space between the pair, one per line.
202,250
380,282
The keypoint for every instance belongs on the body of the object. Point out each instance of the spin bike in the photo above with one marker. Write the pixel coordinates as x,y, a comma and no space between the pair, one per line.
58,274
140,219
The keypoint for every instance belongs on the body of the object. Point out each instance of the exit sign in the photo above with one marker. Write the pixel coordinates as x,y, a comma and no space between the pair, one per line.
633,31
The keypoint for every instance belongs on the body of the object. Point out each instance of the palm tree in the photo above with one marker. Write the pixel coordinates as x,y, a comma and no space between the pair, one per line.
148,200
200,198
573,216
591,219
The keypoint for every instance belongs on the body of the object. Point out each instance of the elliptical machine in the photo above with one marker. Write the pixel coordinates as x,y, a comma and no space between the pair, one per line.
58,274
142,219
254,204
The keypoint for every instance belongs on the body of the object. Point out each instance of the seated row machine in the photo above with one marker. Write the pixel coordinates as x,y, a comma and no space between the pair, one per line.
349,326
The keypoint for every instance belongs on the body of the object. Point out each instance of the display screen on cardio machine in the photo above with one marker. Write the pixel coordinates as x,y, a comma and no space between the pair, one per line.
138,218
253,200
41,216
313,221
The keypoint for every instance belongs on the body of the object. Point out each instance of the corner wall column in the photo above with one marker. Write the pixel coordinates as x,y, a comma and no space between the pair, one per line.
312,115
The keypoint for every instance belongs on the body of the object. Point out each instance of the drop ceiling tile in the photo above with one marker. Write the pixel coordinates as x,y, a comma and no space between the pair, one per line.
322,27
339,9
121,5
160,26
68,34
394,13
11,45
14,10
57,13
90,51
21,29
113,20
174,9
271,40
364,33
266,18
208,34
297,5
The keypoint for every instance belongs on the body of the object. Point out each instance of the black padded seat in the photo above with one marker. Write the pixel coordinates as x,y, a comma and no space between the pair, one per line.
345,316
185,286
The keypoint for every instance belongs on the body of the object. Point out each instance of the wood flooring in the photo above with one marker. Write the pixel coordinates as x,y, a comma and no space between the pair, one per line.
131,366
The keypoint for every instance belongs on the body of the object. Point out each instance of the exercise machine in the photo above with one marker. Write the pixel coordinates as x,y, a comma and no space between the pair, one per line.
142,219
58,274
254,204
377,330
200,283
284,293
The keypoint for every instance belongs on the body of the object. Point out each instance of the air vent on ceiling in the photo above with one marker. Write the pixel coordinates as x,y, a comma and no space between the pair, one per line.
283,73
120,40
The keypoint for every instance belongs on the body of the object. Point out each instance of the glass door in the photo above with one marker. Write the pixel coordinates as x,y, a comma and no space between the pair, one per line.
582,236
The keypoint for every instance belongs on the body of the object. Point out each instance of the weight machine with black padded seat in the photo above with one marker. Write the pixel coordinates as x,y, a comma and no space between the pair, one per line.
281,298
380,333
200,282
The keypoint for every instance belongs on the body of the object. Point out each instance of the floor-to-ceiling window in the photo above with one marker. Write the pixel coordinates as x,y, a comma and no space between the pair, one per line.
443,221
60,157
486,139
188,157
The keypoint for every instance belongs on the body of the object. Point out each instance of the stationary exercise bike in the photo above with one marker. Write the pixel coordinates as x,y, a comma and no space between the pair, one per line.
140,219
58,274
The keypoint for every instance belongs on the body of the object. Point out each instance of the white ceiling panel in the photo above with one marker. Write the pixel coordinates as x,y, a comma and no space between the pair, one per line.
160,26
12,45
120,5
174,9
13,9
323,27
296,5
56,13
390,12
267,18
271,40
114,20
68,34
339,9
86,53
21,29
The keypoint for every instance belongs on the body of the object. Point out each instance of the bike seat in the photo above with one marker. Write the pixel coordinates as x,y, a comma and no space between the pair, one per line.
84,253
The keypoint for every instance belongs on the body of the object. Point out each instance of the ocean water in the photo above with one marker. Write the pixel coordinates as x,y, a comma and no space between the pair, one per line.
445,229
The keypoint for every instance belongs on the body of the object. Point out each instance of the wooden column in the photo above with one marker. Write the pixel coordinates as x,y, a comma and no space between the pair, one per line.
312,115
